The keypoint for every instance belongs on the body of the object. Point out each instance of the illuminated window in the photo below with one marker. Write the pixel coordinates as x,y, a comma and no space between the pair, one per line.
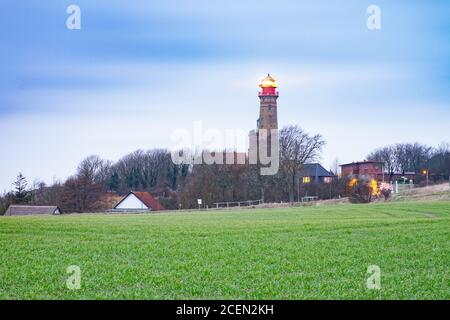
306,179
328,179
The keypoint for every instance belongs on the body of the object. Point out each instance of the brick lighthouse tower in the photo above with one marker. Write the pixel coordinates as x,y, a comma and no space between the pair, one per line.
267,121
265,137
268,104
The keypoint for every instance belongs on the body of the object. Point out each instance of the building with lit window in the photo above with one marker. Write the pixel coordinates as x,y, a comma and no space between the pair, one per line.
315,173
375,170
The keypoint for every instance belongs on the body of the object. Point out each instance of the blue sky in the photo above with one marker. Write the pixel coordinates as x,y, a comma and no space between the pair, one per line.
139,70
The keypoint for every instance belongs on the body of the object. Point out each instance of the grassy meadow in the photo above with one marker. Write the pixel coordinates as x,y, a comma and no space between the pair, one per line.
287,253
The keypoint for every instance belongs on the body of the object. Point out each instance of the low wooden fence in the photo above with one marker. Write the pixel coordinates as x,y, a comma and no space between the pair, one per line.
233,204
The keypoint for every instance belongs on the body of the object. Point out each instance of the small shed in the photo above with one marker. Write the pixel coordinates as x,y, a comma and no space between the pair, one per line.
19,210
138,201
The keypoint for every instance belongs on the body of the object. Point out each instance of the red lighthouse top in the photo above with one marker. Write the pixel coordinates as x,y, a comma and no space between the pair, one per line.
268,86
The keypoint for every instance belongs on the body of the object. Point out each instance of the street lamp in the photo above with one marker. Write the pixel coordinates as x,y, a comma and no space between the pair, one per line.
426,173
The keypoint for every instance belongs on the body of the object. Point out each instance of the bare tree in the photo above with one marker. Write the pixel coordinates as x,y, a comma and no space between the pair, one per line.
403,157
335,166
5,201
412,156
86,187
297,148
44,195
388,156
90,168
440,162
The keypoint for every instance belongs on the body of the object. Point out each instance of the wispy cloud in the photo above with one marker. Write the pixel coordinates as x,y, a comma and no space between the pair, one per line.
137,71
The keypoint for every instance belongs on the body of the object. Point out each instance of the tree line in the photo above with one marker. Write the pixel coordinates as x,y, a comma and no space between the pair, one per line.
97,184
415,157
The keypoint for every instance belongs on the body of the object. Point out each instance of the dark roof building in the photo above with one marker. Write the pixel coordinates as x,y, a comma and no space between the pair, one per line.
315,172
18,210
138,201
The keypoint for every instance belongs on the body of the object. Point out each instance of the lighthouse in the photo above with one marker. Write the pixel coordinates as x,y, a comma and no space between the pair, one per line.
263,141
268,104
264,138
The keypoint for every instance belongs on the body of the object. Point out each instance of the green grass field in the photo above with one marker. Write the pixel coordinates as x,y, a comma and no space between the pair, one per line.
288,253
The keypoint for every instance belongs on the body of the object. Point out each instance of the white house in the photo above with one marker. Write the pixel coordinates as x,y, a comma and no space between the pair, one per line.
138,201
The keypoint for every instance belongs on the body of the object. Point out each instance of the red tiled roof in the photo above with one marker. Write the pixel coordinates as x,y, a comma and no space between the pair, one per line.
148,200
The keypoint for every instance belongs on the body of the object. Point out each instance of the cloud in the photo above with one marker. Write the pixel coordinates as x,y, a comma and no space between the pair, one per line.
139,70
